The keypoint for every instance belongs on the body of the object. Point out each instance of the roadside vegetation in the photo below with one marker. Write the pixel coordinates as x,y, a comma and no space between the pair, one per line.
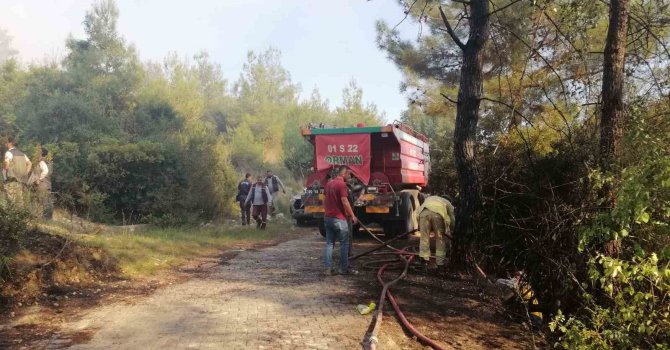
71,254
147,250
160,142
551,121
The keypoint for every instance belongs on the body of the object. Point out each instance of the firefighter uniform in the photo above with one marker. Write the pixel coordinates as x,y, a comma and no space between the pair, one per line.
436,215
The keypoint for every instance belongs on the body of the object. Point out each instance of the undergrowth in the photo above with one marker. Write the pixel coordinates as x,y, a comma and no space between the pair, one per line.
148,250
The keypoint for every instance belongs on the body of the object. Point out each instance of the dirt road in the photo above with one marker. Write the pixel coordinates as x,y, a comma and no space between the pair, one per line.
274,298
277,298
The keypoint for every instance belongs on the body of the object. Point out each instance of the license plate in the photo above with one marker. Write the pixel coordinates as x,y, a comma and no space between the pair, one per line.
377,210
314,209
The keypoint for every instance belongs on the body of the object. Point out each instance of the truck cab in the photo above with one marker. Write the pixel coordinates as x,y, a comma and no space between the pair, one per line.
390,164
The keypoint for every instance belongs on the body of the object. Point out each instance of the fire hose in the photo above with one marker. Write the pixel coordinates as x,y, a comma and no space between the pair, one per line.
371,338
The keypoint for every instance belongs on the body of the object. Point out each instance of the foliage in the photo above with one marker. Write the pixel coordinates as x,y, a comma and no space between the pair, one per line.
13,223
146,251
637,315
245,151
354,110
635,286
537,136
159,142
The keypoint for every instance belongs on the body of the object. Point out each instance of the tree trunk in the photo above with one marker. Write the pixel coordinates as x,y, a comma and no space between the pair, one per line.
612,90
465,131
612,115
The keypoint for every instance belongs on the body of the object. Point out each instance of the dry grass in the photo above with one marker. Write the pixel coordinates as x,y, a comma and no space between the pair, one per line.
144,251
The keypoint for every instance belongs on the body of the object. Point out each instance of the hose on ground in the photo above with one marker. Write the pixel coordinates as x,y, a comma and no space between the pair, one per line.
371,338
383,244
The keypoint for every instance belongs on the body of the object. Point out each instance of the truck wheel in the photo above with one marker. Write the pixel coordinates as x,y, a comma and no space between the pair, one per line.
406,213
300,222
392,228
322,228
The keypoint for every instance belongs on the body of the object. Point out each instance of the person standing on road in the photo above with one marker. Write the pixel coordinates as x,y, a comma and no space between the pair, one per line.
436,215
273,184
259,196
242,192
337,212
15,172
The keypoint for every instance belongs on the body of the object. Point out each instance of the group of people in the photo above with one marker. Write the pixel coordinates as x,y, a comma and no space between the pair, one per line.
435,215
21,178
256,199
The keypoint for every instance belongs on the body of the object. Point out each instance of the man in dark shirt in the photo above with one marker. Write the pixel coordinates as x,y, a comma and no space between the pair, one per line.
337,211
242,192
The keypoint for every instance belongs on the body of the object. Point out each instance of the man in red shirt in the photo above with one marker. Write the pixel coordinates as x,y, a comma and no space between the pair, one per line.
337,212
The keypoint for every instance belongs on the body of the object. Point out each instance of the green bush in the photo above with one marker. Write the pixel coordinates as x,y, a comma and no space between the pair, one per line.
13,224
636,314
627,297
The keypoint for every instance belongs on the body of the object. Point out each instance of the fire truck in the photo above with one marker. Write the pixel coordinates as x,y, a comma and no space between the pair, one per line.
390,164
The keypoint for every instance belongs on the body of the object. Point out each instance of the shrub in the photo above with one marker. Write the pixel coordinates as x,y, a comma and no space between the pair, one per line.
627,297
13,224
636,314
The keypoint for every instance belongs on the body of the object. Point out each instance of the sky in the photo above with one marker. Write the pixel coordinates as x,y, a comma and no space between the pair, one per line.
324,43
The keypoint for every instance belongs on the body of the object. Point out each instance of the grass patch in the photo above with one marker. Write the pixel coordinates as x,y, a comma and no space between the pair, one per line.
148,250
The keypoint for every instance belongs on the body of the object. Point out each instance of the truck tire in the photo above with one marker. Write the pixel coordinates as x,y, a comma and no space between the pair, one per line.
322,228
406,213
391,228
300,222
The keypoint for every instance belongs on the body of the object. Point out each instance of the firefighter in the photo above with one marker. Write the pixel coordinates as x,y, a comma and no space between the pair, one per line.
242,192
15,172
260,197
436,215
273,183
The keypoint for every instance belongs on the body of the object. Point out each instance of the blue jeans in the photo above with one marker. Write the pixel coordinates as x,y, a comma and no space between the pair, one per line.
337,230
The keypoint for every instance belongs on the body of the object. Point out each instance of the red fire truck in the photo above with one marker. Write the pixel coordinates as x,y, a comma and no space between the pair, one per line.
390,164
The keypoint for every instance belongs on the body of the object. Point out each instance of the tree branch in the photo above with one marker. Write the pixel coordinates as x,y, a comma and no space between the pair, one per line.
544,59
451,32
514,110
502,8
449,98
407,12
653,35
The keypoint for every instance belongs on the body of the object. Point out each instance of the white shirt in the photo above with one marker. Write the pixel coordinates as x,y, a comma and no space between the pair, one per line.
8,155
44,170
8,158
